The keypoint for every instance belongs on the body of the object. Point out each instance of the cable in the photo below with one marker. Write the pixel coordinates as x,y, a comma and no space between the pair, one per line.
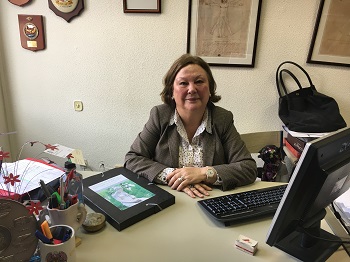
341,240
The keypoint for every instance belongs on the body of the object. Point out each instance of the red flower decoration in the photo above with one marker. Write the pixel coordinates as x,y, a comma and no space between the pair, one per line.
34,207
4,155
11,179
49,146
70,156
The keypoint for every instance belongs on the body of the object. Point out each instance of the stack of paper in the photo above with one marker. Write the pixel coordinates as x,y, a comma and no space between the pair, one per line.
27,174
343,205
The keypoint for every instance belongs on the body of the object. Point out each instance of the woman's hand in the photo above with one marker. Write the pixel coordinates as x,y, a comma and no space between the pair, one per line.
197,190
189,180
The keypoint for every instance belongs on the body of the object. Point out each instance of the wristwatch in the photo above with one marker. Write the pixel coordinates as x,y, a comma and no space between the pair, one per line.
210,173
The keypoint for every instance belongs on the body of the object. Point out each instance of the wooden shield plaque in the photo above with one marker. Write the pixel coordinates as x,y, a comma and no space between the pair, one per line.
31,30
19,2
67,9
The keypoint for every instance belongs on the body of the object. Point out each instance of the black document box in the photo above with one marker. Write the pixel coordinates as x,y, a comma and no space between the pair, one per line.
122,217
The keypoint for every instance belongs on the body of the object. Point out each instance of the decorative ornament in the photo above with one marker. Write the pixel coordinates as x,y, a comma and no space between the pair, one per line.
17,231
67,9
271,155
31,30
34,207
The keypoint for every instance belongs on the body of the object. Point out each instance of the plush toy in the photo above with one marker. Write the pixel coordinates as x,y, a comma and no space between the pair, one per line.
271,155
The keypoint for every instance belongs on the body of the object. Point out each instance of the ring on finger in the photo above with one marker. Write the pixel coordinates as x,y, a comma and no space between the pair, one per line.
180,179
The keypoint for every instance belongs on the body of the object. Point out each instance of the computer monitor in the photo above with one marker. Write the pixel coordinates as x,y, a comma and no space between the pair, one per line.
321,175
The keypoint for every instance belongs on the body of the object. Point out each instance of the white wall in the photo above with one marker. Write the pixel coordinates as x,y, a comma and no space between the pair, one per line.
4,139
115,62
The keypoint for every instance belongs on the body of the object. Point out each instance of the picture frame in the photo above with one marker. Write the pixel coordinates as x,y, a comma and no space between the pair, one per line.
220,40
142,6
329,43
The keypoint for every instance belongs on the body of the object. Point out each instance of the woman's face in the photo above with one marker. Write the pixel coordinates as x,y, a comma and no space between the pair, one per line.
191,89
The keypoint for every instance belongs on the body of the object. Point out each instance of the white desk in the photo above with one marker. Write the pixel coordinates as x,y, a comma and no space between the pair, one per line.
183,232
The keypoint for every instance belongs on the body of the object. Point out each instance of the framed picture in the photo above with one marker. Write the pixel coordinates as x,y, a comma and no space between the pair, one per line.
224,32
330,44
142,6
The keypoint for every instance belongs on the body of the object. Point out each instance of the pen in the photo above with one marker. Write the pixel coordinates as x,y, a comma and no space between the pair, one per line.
42,237
62,204
67,235
73,199
44,188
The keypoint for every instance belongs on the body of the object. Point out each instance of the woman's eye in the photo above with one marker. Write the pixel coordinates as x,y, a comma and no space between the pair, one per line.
182,83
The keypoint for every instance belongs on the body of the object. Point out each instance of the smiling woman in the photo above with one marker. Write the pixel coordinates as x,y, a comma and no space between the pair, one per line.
189,143
191,95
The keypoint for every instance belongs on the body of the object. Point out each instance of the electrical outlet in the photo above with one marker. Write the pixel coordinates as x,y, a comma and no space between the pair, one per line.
78,105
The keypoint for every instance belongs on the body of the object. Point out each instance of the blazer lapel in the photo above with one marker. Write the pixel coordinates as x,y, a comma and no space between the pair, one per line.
208,148
173,143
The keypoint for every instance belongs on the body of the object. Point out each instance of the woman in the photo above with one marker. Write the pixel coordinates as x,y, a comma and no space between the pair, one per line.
189,143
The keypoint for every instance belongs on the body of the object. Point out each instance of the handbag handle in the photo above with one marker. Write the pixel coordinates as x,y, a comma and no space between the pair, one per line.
295,64
282,82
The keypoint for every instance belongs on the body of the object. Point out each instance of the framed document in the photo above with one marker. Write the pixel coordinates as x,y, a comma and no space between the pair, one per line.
224,32
124,197
330,44
31,30
142,6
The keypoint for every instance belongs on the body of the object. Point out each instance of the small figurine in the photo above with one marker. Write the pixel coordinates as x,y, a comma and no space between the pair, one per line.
271,155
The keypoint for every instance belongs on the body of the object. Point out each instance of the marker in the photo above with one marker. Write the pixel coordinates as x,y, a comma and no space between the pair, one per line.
53,201
67,235
46,230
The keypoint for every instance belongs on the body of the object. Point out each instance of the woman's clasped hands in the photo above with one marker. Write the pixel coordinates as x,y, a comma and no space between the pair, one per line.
189,180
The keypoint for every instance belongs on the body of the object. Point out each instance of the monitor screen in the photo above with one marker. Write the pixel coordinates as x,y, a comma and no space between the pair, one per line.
321,175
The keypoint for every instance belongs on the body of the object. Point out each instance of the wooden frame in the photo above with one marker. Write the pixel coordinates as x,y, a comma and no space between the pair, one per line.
330,43
224,32
142,6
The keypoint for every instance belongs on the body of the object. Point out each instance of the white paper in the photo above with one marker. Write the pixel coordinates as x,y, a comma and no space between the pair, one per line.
303,134
60,151
343,203
29,172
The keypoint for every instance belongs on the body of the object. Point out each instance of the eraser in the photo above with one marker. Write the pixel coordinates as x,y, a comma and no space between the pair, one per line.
246,244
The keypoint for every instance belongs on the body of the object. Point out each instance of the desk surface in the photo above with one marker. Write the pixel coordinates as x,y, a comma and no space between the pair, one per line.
183,232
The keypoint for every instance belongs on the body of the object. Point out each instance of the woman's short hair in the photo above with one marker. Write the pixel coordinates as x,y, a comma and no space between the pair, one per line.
181,62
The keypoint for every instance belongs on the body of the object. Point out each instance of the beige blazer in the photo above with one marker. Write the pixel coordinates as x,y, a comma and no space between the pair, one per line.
157,147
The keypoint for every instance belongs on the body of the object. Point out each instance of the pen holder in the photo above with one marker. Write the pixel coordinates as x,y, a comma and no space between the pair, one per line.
64,251
73,216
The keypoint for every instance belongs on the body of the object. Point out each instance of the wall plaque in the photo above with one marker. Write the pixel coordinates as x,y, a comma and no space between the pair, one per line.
31,30
67,9
19,2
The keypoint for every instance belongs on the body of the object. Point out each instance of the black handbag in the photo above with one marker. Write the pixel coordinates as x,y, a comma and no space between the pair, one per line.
306,110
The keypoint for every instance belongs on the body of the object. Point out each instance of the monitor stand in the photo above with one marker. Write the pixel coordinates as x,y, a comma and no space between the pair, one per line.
319,250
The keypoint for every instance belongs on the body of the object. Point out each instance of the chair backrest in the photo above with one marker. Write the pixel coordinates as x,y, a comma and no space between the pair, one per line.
256,141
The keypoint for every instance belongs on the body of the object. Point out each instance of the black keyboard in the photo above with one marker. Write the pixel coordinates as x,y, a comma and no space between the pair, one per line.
245,205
